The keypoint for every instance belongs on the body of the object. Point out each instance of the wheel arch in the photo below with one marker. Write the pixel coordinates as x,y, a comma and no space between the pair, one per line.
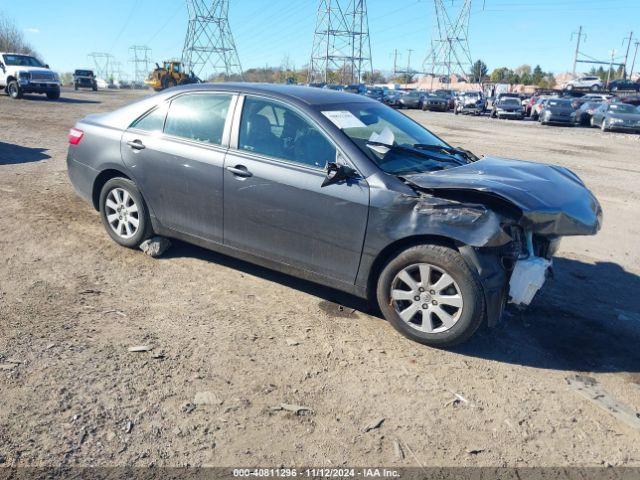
396,247
102,178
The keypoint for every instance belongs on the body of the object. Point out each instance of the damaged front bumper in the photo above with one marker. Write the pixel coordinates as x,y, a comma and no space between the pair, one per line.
508,217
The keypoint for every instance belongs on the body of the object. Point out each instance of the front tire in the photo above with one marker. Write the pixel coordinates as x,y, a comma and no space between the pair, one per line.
55,95
430,295
14,90
124,213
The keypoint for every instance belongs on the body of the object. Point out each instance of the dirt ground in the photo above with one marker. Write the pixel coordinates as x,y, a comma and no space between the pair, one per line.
231,341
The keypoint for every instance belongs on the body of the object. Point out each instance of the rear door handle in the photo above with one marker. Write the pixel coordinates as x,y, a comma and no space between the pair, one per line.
240,171
136,144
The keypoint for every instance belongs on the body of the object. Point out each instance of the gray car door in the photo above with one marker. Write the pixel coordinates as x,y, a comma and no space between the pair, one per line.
274,205
178,162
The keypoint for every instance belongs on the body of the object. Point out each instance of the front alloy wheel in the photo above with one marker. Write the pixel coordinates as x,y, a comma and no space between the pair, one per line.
430,295
426,298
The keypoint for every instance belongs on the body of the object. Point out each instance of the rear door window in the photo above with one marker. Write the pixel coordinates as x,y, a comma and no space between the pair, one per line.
198,116
152,122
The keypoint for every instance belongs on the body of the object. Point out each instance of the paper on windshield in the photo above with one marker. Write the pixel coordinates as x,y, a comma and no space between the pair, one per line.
385,136
344,119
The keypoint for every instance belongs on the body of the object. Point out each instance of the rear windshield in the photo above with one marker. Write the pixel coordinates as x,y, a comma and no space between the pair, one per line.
21,61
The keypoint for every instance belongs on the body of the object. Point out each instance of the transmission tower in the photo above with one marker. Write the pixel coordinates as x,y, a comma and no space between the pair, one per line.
140,58
209,48
449,53
341,45
102,63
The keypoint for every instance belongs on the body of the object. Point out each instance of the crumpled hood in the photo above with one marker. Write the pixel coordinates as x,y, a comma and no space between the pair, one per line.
553,200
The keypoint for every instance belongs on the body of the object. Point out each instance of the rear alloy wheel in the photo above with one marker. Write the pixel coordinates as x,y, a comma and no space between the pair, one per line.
14,90
429,294
124,213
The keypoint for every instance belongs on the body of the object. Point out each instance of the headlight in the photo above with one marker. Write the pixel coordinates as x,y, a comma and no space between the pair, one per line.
615,120
24,77
56,77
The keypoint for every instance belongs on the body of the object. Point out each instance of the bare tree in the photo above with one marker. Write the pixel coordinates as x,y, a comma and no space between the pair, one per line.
11,38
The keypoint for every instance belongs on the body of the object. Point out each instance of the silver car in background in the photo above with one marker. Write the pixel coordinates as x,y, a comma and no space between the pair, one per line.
334,188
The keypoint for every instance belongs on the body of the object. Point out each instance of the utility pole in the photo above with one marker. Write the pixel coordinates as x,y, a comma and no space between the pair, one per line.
626,55
409,51
395,62
209,48
613,53
633,64
575,56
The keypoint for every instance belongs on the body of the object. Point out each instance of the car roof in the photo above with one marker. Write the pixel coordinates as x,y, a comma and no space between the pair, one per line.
307,95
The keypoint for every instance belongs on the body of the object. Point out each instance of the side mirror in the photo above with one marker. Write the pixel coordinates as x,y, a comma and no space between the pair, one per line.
46,65
337,173
2,67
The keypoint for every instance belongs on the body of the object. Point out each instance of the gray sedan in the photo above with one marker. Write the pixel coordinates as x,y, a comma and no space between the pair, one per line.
334,188
616,116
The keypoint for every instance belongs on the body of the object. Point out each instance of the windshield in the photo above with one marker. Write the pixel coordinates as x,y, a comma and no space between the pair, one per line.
397,144
413,94
84,73
559,103
21,61
510,101
622,108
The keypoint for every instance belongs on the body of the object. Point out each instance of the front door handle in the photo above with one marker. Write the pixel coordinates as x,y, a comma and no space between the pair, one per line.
240,171
136,144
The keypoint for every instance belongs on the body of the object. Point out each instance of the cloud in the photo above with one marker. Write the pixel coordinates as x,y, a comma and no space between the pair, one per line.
32,30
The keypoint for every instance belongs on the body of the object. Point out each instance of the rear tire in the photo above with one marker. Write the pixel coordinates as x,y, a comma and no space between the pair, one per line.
436,321
124,213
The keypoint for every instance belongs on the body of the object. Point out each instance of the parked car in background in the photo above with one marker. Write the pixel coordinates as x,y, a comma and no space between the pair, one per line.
585,112
413,99
631,100
84,79
335,87
616,116
391,97
375,93
624,85
435,102
528,106
357,88
587,82
537,107
473,103
449,95
557,111
596,96
507,107
434,234
20,74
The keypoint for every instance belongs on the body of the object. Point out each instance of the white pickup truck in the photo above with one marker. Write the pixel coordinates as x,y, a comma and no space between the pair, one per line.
20,74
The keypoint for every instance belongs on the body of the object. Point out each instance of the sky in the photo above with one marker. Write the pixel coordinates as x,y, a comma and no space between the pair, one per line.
502,32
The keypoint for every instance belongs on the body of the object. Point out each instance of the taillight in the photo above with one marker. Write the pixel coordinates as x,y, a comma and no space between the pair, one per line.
75,136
